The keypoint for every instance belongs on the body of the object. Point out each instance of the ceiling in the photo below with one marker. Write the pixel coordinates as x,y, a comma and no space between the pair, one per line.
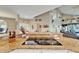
29,11
25,11
70,9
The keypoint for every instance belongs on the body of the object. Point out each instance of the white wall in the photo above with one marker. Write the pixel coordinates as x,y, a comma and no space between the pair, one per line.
55,26
48,17
45,20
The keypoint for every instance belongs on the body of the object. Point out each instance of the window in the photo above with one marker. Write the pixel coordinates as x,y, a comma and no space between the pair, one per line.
38,20
3,26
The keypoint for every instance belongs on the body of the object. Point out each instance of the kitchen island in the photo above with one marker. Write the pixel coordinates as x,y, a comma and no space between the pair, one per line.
67,43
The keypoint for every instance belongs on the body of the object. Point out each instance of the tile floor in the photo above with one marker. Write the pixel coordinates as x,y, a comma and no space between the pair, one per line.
40,51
